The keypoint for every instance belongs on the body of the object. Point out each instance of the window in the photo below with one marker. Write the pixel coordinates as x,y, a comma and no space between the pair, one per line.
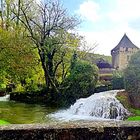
126,49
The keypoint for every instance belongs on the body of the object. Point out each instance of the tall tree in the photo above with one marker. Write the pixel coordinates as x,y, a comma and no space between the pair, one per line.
48,25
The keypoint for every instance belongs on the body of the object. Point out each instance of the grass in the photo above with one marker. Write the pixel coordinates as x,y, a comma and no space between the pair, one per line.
123,98
135,118
2,122
135,111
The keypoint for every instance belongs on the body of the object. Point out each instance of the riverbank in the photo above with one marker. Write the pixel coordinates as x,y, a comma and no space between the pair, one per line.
3,122
122,96
41,97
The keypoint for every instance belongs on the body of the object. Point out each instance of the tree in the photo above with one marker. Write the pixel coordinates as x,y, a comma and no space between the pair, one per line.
117,80
132,79
5,13
48,28
81,81
1,12
18,56
18,60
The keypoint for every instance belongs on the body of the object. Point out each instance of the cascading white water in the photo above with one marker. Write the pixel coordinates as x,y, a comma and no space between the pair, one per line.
5,98
103,105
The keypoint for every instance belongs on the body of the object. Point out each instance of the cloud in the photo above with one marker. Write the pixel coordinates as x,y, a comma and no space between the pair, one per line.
125,11
38,1
89,10
113,22
107,40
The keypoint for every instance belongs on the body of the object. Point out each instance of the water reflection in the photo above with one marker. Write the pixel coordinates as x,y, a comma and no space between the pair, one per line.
20,113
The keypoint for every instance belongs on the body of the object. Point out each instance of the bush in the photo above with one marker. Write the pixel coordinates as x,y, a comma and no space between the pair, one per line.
81,82
132,79
117,80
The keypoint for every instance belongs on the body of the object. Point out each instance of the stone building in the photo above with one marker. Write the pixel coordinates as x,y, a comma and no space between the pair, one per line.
122,52
105,70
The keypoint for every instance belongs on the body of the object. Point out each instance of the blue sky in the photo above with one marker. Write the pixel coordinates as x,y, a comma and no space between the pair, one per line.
73,6
106,21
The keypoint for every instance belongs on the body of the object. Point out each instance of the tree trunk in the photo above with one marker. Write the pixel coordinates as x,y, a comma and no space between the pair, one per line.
43,63
18,14
48,71
47,81
50,66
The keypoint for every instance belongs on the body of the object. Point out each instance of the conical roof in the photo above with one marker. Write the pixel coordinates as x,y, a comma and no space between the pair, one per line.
124,43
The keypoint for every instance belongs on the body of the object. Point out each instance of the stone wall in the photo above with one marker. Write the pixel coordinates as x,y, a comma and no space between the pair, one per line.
125,56
109,130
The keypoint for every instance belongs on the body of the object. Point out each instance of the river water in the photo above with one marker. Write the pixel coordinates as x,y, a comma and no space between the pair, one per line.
100,106
21,113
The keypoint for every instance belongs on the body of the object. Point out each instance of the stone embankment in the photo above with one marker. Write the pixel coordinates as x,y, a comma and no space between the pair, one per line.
107,130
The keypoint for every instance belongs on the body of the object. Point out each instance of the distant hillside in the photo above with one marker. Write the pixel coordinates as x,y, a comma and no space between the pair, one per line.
92,58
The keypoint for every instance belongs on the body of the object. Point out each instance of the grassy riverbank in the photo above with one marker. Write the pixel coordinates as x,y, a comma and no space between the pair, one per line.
135,113
2,122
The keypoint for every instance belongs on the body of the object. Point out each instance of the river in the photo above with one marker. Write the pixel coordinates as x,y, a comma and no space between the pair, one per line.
21,113
99,106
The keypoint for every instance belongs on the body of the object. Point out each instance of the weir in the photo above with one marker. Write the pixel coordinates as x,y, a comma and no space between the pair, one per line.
89,130
99,106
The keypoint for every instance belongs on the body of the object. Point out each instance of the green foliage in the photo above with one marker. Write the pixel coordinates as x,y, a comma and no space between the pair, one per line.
48,26
132,79
2,122
81,81
91,57
117,80
135,111
63,56
33,55
135,118
132,74
19,61
123,98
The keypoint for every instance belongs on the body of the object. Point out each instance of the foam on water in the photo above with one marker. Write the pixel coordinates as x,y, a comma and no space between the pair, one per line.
5,98
99,106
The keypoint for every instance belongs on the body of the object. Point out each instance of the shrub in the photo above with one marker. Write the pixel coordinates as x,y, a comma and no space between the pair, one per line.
132,79
117,80
81,81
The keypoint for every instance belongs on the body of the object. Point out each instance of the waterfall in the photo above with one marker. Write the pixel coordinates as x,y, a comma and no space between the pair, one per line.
5,98
98,106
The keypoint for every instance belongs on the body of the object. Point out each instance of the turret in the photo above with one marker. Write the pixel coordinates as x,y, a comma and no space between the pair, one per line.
122,53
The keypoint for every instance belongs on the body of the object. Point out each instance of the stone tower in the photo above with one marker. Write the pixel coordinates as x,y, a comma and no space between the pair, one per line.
122,52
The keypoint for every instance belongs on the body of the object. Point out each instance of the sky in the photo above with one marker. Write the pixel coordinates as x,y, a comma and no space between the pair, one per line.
104,22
